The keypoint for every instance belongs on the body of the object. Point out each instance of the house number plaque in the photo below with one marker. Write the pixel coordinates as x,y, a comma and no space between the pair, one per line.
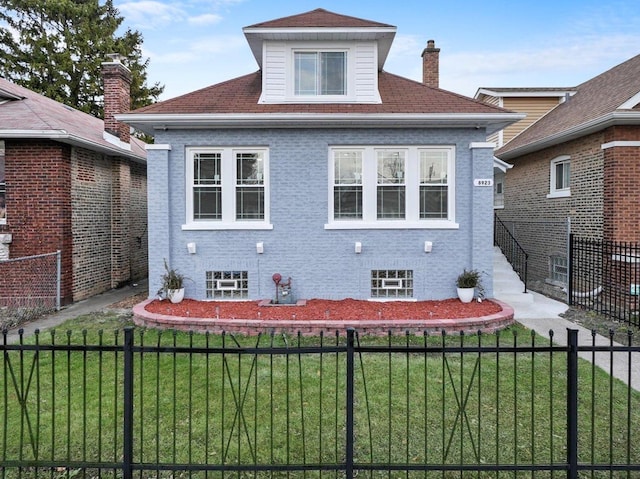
483,182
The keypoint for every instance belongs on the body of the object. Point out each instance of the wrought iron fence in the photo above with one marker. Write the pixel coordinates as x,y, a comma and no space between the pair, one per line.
512,250
604,276
178,405
29,287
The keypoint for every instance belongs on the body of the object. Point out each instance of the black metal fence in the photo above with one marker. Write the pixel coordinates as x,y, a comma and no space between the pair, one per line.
185,405
604,276
512,250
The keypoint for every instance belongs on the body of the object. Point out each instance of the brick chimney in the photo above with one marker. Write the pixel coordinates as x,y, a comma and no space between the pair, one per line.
431,65
117,96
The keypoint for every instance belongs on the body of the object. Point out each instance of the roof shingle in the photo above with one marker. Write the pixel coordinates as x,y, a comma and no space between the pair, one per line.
241,95
594,99
319,18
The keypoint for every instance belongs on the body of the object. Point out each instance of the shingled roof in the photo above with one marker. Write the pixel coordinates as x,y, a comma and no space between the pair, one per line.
26,114
612,97
240,95
319,18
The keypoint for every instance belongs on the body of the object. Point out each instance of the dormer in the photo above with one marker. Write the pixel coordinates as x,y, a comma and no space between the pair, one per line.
320,57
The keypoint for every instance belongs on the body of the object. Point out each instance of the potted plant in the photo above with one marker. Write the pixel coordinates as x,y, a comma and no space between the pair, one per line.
466,284
172,284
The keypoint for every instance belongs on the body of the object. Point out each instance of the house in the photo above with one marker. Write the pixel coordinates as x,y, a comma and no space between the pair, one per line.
535,103
73,183
323,168
576,167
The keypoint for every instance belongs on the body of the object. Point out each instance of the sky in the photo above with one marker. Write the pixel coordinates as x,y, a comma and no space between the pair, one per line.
192,44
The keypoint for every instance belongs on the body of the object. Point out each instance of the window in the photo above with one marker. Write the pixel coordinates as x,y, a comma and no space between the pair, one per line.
227,188
559,269
389,283
560,177
392,187
320,73
347,191
227,285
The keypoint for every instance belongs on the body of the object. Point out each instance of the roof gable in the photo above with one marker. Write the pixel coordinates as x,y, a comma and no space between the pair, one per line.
319,18
606,98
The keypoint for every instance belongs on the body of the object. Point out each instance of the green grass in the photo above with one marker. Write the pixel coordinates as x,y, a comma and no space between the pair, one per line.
418,408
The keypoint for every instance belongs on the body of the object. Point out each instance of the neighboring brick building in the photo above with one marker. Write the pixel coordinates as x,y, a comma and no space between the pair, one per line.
324,168
580,163
70,184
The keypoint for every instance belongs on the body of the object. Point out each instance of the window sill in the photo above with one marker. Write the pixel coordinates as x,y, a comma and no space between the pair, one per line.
559,194
392,225
208,225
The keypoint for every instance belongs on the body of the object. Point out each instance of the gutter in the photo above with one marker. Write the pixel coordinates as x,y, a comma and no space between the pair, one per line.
64,137
592,126
163,122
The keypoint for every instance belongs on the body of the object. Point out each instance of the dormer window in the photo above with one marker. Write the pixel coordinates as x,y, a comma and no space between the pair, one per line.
320,73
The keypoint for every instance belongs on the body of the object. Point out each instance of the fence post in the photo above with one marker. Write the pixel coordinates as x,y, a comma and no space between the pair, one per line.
58,278
572,403
570,282
349,405
127,445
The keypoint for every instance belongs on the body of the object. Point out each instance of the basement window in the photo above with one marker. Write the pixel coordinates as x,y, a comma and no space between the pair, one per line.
227,285
391,283
559,270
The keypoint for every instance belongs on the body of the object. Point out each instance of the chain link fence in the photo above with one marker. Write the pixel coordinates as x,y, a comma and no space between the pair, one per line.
29,287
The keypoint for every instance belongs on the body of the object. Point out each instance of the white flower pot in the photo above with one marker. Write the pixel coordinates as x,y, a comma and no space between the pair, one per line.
466,294
175,295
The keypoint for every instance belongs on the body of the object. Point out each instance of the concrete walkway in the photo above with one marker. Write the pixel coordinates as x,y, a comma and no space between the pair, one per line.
541,314
90,305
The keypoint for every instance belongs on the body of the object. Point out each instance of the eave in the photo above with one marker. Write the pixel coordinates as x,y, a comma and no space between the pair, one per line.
383,35
592,126
65,137
149,123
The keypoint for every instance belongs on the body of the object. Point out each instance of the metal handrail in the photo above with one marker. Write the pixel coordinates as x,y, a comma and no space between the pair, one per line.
512,250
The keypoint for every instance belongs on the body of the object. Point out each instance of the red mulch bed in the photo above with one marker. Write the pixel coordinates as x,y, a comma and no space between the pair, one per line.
345,309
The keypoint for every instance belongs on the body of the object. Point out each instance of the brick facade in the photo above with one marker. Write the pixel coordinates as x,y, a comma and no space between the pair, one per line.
60,197
540,223
117,98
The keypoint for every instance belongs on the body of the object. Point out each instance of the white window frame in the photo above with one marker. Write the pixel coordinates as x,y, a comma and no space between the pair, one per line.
412,218
559,192
319,47
229,188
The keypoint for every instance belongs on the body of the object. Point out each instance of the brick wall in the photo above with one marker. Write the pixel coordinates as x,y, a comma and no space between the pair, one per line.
621,173
109,214
540,223
38,178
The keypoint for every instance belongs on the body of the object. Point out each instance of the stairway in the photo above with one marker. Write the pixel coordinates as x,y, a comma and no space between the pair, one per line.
507,285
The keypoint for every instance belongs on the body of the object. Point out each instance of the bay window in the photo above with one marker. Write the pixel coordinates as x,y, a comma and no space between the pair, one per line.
392,187
227,188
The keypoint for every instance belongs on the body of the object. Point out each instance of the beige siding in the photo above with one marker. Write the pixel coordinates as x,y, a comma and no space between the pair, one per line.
534,107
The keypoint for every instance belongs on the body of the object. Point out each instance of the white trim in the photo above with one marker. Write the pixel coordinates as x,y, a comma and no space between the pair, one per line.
497,92
501,165
614,144
158,146
630,103
411,184
219,226
64,137
482,144
393,225
114,140
149,122
563,192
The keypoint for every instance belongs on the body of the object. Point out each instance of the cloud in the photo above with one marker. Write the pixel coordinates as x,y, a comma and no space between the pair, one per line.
149,14
205,19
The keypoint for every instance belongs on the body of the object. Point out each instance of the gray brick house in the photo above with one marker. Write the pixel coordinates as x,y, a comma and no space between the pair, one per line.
321,167
580,161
